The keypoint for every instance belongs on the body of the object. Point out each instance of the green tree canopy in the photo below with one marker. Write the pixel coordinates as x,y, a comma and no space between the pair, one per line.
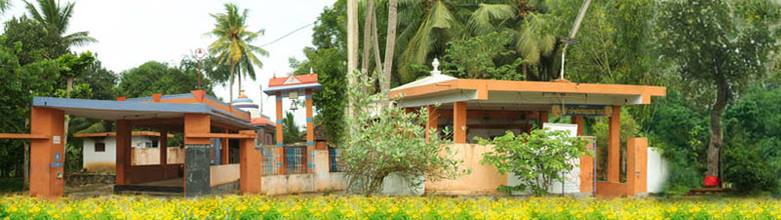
155,77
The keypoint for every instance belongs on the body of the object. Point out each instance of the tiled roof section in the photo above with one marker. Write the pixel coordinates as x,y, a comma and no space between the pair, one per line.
262,121
299,80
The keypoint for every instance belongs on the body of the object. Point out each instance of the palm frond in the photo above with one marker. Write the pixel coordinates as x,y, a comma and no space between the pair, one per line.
480,20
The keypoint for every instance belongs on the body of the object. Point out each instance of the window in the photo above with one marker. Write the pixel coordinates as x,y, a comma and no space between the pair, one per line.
100,147
268,161
295,160
334,162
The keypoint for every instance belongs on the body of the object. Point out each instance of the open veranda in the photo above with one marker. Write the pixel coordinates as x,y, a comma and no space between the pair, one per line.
357,207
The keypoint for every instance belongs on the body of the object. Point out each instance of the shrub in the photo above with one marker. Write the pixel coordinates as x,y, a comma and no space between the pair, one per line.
388,140
537,158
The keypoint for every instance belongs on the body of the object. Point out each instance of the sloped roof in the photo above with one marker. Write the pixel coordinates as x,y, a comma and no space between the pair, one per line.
262,121
293,80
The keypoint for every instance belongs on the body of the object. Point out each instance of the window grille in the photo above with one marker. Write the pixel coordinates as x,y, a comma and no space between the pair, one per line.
269,160
100,147
335,162
295,160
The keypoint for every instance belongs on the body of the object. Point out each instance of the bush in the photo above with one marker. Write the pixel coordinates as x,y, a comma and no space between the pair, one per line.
537,158
388,140
752,156
681,133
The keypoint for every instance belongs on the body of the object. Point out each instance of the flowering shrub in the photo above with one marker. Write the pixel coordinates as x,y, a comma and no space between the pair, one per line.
354,207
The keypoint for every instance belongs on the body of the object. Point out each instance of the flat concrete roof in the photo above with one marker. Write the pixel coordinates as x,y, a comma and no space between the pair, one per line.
137,110
506,93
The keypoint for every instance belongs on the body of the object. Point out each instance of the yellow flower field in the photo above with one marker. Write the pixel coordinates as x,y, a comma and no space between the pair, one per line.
356,207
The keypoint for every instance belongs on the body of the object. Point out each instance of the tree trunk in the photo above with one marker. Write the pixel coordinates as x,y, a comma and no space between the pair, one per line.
239,76
26,163
390,46
367,36
230,89
376,46
68,90
723,94
352,50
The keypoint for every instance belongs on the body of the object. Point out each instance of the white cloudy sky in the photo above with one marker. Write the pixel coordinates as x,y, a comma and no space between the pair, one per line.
131,32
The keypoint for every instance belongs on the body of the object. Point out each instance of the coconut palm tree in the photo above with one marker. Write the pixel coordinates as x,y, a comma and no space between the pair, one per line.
56,17
427,26
233,46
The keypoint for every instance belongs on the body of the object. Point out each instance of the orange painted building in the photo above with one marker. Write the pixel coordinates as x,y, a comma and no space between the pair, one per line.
471,108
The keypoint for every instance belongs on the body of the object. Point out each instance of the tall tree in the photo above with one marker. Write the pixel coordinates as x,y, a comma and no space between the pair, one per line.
57,17
233,46
352,49
718,47
390,45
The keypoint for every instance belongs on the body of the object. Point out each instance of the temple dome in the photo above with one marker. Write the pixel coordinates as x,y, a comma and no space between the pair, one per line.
246,104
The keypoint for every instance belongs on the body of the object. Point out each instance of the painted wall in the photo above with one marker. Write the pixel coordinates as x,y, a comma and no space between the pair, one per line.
105,161
151,156
222,174
483,179
571,183
320,181
658,170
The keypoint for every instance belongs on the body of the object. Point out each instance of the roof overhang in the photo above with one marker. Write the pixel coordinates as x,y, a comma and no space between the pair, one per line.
137,110
283,90
504,92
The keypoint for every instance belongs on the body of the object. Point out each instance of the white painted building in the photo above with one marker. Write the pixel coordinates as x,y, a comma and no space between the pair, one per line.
99,149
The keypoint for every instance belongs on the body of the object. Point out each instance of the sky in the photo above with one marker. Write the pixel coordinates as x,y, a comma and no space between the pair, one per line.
132,32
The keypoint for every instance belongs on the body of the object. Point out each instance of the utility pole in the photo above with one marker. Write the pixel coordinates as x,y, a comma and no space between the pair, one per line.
571,38
352,50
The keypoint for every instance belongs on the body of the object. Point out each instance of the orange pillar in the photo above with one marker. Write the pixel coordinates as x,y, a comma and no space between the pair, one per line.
47,156
280,138
636,165
543,118
225,151
578,120
586,162
432,122
123,161
280,120
310,133
613,145
163,147
459,123
196,124
249,165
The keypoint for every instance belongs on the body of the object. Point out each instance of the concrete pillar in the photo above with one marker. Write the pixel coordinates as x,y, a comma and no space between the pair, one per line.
47,156
581,122
225,150
280,120
459,123
310,133
636,165
280,138
124,136
543,117
614,145
432,122
197,174
164,151
586,161
250,163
